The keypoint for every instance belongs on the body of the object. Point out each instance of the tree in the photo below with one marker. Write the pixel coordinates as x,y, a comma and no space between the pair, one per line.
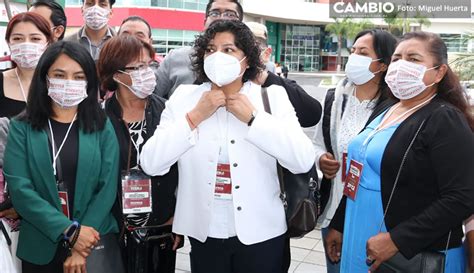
421,20
340,29
355,27
395,24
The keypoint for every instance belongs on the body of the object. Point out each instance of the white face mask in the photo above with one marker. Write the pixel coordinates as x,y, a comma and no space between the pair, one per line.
67,93
222,68
96,17
405,79
357,69
143,82
27,55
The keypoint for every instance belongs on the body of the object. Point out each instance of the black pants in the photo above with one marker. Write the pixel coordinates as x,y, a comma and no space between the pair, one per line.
286,255
232,256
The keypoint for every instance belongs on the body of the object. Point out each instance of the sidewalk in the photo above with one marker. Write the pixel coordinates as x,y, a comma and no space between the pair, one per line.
307,255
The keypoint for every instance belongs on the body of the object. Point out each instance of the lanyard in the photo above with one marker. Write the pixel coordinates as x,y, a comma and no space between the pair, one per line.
381,126
139,139
53,143
21,86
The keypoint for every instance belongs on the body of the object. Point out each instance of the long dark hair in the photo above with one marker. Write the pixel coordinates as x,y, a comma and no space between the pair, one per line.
90,116
449,88
384,44
244,40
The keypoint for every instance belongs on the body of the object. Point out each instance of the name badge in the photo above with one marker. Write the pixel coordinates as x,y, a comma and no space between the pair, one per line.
344,167
223,188
353,179
64,199
136,192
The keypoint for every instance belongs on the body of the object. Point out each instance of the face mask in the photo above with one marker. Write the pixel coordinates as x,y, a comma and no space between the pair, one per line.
405,79
96,17
67,93
27,55
222,68
357,69
143,82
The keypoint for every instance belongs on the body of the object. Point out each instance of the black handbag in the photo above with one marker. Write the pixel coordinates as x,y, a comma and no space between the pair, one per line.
424,262
299,194
150,250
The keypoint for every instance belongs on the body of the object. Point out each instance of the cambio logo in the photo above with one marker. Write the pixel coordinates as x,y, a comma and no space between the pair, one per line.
367,7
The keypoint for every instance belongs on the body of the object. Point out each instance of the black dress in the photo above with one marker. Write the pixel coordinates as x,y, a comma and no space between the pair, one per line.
9,107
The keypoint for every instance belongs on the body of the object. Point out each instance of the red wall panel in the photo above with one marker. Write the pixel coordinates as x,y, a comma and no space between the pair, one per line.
157,18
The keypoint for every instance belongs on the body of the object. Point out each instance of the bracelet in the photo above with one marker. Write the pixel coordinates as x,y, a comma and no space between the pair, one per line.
71,229
252,118
190,121
75,237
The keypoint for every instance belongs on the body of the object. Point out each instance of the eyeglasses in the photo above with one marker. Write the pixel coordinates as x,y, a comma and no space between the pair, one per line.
141,66
228,14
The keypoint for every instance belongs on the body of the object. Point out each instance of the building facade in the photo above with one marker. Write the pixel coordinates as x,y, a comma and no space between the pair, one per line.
296,27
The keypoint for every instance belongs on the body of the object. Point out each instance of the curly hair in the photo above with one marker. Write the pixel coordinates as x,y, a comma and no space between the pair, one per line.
244,40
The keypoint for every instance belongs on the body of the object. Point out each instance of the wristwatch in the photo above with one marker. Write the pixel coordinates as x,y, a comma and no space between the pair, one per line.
70,231
252,117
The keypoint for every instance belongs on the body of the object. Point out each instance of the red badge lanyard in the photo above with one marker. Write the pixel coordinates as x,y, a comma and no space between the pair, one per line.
353,179
223,185
136,192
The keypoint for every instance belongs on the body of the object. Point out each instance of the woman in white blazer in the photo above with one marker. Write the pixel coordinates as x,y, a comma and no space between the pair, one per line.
227,148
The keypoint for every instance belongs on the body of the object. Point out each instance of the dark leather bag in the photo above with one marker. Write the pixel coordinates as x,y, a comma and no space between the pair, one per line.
150,250
424,262
299,194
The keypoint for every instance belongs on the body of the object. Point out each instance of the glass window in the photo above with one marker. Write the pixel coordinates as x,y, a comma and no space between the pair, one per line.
190,35
178,4
455,42
191,4
172,33
300,48
162,3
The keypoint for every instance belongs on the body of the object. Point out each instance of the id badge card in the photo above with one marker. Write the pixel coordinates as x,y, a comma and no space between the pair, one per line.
64,200
344,167
223,188
136,192
353,179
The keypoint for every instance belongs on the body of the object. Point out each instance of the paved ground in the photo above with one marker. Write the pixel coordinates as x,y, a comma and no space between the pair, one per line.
307,253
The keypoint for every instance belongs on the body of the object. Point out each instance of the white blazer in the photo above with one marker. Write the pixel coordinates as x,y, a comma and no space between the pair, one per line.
253,151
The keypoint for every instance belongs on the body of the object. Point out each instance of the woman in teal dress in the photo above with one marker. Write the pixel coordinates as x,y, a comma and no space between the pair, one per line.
434,191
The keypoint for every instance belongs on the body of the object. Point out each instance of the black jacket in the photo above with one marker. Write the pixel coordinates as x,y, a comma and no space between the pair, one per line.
435,189
163,187
308,109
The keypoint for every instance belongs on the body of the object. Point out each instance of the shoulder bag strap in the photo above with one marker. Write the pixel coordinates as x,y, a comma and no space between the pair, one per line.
326,122
5,233
397,178
266,106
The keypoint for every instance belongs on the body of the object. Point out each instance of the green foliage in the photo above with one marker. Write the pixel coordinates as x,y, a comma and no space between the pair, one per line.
463,65
340,29
355,27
